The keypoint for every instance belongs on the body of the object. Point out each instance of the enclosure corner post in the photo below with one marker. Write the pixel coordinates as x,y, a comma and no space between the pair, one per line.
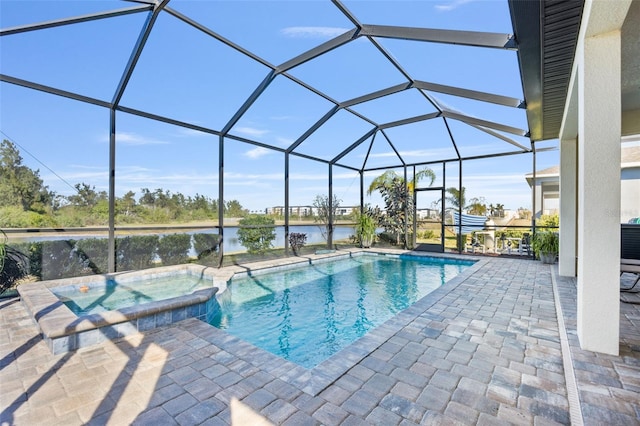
533,197
460,242
111,260
286,204
221,197
330,203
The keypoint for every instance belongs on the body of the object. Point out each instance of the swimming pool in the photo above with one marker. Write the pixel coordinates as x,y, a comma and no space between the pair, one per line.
307,314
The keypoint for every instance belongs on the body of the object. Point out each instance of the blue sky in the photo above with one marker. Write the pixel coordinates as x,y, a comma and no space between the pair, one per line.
185,75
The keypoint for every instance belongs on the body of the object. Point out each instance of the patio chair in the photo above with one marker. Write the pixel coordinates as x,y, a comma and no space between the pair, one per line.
470,225
631,266
630,253
525,244
475,244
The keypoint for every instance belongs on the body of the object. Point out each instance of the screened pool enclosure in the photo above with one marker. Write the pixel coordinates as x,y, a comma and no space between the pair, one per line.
270,106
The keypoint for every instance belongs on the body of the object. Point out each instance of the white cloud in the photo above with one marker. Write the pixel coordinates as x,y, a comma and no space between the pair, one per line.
251,131
435,153
451,5
257,152
245,177
313,32
134,139
256,177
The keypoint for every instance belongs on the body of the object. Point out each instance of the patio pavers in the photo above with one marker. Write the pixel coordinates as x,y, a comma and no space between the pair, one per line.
486,350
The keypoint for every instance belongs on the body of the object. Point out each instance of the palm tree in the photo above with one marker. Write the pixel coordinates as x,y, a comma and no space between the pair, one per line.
398,197
477,207
387,179
457,198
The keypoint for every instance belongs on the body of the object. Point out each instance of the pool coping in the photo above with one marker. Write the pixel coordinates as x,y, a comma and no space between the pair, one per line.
65,331
313,381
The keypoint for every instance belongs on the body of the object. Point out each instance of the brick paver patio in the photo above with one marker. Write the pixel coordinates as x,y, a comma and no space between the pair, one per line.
487,350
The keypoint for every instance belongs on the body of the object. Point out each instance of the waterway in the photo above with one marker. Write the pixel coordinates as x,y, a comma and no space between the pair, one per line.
231,241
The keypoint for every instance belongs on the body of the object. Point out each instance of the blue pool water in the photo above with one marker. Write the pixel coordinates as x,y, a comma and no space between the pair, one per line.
117,295
307,314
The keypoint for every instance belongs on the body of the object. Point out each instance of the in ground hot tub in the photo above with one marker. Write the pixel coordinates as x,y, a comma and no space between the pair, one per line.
78,312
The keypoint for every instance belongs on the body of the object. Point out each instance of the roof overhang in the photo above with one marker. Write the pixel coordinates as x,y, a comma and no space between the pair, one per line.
547,35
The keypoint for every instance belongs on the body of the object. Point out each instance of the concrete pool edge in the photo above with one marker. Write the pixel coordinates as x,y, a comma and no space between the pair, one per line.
334,367
64,331
313,381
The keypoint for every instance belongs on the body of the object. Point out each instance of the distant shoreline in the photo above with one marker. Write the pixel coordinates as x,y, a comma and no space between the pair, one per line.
25,233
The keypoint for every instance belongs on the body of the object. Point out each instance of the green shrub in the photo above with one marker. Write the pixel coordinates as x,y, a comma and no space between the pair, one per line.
428,234
366,227
256,233
95,254
14,264
205,244
15,217
548,222
174,249
136,252
297,240
60,259
545,242
513,233
33,251
207,248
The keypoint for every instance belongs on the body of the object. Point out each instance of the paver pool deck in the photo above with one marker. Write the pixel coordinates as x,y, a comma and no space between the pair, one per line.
488,349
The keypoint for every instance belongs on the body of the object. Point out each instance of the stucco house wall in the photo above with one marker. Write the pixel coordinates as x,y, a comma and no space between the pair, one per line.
547,186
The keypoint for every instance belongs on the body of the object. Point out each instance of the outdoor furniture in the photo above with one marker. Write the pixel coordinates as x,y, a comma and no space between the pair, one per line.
630,252
475,244
525,244
508,244
471,224
631,266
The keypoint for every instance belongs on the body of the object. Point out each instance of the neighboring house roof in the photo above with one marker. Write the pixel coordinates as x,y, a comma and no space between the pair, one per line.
629,158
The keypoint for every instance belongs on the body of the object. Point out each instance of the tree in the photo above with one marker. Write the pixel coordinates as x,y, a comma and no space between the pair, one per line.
548,222
398,208
127,203
19,185
86,196
477,206
233,208
524,213
457,198
148,198
256,233
398,198
321,204
388,177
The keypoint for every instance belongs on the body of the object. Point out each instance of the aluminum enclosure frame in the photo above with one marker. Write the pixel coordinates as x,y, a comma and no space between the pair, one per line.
360,31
